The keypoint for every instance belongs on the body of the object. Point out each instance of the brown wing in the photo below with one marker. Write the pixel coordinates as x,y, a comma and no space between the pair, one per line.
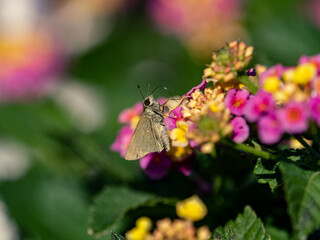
144,140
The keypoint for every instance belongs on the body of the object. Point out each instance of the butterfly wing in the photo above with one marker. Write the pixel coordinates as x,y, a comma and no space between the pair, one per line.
172,103
144,140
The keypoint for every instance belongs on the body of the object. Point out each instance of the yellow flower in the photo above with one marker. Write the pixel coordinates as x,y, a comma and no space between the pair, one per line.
178,135
288,75
271,84
192,209
304,73
178,153
137,233
203,233
144,223
134,122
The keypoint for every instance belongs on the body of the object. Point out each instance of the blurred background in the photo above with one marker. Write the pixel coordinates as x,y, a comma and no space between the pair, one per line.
69,67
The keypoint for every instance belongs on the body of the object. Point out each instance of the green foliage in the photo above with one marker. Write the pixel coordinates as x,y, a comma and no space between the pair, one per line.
117,236
47,206
111,205
267,171
246,226
303,198
277,234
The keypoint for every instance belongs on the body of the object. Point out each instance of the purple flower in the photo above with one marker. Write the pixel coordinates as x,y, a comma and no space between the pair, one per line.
294,117
240,129
155,165
171,120
122,141
201,86
236,100
314,109
251,72
258,105
269,129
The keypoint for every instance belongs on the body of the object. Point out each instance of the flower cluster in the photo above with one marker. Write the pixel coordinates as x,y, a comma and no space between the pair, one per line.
189,210
200,24
28,65
289,97
209,116
228,63
278,100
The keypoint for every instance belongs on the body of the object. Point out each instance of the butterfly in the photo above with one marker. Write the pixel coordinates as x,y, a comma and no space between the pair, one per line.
151,134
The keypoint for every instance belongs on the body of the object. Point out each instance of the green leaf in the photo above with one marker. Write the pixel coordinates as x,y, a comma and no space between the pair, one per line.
111,206
276,233
117,236
267,172
302,188
246,226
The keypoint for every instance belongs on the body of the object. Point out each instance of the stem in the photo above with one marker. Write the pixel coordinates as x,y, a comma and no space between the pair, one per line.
307,146
246,81
248,149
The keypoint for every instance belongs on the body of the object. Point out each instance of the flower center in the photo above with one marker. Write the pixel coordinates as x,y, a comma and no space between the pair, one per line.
262,107
238,102
294,114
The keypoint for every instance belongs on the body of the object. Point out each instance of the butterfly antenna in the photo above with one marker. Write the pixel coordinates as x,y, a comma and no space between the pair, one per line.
140,92
163,88
148,88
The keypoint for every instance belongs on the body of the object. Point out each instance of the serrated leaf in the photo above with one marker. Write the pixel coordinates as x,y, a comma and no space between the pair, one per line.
112,205
246,226
267,171
117,236
302,189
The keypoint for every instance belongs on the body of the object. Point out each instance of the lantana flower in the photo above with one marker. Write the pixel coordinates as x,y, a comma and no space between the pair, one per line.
122,141
294,117
28,65
210,119
226,64
236,101
259,105
270,129
314,109
240,129
192,209
156,165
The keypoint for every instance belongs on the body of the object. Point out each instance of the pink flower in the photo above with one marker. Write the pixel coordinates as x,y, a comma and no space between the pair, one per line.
259,105
240,129
294,117
175,115
127,114
122,141
28,66
156,165
313,59
236,100
201,87
314,109
269,129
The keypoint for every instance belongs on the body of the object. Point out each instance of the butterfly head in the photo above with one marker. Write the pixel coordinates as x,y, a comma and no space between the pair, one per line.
148,101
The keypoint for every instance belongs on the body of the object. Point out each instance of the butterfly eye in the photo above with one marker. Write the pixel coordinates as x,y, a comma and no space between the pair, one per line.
146,102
